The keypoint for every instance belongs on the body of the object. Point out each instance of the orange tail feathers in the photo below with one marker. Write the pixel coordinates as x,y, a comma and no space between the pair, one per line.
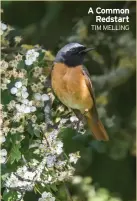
97,128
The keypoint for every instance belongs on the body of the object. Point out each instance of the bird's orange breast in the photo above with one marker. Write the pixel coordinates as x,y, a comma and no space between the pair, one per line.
70,87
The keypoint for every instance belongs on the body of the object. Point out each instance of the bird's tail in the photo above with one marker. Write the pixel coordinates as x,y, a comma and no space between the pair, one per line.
96,128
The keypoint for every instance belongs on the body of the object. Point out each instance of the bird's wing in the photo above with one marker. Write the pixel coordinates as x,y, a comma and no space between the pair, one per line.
93,121
89,85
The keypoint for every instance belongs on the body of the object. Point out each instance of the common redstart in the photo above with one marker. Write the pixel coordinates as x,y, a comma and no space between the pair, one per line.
71,83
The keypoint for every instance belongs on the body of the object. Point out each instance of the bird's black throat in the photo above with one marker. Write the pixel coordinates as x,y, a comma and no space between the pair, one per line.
71,60
75,60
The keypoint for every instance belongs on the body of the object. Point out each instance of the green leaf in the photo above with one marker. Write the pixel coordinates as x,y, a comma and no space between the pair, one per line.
21,65
41,56
6,97
73,141
16,138
67,135
54,188
10,195
98,146
15,154
37,132
30,129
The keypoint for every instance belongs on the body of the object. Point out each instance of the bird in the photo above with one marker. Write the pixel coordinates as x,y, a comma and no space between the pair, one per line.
71,83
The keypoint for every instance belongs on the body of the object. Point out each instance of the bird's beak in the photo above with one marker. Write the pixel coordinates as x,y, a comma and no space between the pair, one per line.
87,50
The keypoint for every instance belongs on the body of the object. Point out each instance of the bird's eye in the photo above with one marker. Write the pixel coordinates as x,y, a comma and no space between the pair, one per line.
74,51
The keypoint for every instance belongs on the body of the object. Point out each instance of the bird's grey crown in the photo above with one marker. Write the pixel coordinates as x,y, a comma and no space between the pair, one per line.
71,46
69,54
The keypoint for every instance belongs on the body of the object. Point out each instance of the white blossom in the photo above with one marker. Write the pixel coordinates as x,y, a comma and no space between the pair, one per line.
47,109
49,178
51,159
21,170
25,101
37,96
18,94
46,196
73,158
2,139
28,62
24,88
29,175
33,109
60,164
58,147
73,118
45,97
27,109
18,39
25,174
14,182
13,90
3,26
4,64
30,103
22,108
18,84
62,175
17,106
31,57
3,152
2,159
52,136
19,90
25,94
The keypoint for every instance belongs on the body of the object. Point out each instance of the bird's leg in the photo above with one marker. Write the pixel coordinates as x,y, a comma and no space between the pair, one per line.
80,116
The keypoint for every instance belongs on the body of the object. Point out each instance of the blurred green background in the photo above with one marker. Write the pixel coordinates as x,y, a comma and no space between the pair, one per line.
113,70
